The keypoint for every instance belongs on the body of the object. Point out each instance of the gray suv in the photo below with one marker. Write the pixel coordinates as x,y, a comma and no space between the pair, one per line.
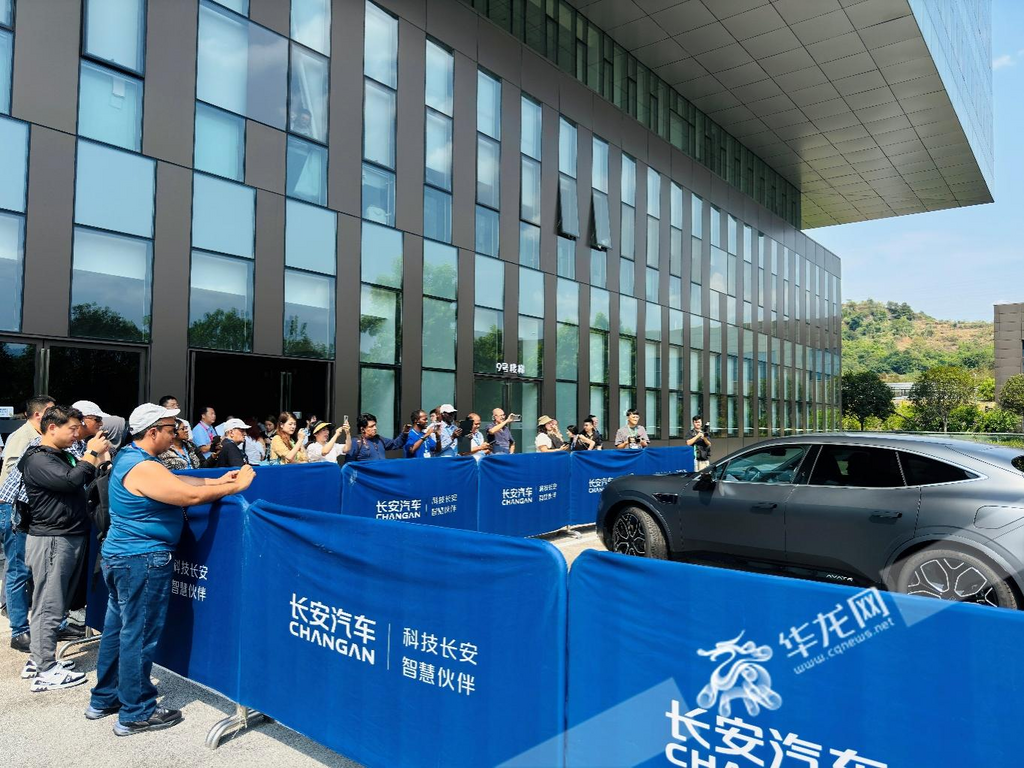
924,516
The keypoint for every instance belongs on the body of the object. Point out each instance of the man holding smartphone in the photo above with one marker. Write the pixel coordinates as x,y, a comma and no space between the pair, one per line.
701,445
92,425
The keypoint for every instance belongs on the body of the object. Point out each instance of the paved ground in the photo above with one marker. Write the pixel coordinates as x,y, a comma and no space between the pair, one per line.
40,730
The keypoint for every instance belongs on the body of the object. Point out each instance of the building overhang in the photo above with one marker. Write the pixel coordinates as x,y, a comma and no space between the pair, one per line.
842,97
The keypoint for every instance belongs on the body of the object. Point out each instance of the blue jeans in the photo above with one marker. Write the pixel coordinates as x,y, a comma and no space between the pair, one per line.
17,574
140,586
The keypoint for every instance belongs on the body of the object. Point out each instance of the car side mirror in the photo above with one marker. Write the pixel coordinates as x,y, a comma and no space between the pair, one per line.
705,482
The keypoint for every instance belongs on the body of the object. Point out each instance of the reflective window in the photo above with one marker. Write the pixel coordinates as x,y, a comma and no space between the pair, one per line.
14,161
307,115
111,286
920,470
568,207
241,67
310,237
653,241
530,141
566,147
379,336
220,142
114,189
775,464
488,339
599,313
12,257
628,180
6,61
222,216
440,78
653,193
531,292
531,345
6,12
307,171
377,395
490,282
438,387
110,107
567,351
628,231
856,466
696,216
379,125
378,195
627,276
115,31
486,231
381,256
238,6
488,165
529,245
440,270
311,24
530,191
438,334
602,235
439,151
437,214
220,302
600,166
598,268
381,46
565,255
627,315
488,105
567,306
308,315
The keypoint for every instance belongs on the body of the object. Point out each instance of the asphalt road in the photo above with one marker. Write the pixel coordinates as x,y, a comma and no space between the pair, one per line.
40,730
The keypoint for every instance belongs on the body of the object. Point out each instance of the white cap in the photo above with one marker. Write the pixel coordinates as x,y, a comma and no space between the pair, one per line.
89,408
447,408
234,424
148,414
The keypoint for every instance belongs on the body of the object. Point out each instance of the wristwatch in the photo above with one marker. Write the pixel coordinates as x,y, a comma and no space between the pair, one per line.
94,454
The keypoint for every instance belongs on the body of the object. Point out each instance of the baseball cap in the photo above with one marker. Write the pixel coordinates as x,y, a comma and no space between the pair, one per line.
148,414
543,420
235,424
447,408
89,408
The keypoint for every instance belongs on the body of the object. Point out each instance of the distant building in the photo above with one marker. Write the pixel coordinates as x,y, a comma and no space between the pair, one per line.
1009,342
900,390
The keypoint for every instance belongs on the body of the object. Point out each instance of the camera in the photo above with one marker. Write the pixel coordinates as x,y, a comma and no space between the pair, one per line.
515,417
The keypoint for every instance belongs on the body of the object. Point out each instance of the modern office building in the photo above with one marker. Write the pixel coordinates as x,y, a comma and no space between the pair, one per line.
1009,342
557,207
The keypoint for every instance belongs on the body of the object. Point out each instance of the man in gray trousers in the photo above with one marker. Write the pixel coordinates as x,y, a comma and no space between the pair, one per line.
58,525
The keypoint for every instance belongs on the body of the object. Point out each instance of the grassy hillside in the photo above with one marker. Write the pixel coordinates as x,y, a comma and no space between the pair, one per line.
898,343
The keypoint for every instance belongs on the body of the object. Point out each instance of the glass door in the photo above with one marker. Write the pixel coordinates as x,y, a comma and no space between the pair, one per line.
512,396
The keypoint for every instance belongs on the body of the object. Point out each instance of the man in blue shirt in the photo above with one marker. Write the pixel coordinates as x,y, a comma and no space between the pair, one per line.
146,521
450,432
421,442
370,446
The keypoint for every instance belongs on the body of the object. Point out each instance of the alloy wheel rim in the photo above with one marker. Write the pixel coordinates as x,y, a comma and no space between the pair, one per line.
629,537
947,578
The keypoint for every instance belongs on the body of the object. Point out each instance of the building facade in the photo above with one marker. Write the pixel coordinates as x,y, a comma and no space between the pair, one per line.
336,206
1009,342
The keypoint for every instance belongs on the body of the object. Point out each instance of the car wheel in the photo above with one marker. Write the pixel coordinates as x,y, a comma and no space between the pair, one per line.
636,532
949,574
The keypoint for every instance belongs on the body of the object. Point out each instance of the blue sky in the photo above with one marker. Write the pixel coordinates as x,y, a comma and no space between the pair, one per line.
955,264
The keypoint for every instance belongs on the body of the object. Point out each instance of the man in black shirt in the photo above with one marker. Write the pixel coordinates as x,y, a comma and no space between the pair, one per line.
598,440
231,453
701,445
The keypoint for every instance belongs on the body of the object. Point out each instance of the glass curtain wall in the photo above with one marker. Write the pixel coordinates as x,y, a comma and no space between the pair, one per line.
14,138
310,257
437,174
627,238
530,145
380,99
488,162
440,329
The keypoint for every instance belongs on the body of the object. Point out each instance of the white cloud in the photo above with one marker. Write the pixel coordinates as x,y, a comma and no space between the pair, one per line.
1006,60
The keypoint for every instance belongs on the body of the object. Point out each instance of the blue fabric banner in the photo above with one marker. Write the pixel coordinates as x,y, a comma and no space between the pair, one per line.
703,666
316,485
524,495
591,471
432,491
660,461
404,645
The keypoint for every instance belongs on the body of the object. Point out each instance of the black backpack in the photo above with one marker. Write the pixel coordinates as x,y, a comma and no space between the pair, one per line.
98,500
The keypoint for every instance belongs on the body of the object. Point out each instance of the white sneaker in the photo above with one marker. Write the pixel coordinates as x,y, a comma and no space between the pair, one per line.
29,670
56,678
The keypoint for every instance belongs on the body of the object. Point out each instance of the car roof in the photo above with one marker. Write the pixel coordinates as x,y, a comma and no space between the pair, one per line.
910,442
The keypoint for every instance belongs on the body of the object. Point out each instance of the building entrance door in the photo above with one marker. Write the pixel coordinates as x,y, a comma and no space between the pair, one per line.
513,396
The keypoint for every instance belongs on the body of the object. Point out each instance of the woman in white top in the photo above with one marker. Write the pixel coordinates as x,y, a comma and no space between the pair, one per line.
324,449
549,438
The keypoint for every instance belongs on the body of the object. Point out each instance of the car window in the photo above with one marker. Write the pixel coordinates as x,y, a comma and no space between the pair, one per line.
920,470
773,464
857,466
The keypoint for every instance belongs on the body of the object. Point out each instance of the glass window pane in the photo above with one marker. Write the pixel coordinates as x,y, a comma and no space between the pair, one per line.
488,167
439,150
379,314
440,270
599,407
438,333
530,143
628,231
6,12
568,207
220,142
529,245
220,302
531,292
379,125
310,237
602,223
110,107
567,351
12,256
600,316
488,105
531,345
489,282
381,46
309,88
238,6
6,59
488,343
437,214
14,161
653,285
565,404
567,306
566,148
627,276
381,255
530,191
438,387
628,180
307,171
696,216
566,258
241,67
486,231
110,286
600,167
653,241
115,31
598,357
440,82
377,396
308,315
378,195
311,24
599,268
653,193
676,204
222,216
114,189
627,315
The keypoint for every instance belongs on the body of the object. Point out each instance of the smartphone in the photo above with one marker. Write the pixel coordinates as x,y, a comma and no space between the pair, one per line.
345,420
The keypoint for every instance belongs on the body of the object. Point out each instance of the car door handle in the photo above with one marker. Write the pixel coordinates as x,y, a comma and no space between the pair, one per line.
885,514
766,506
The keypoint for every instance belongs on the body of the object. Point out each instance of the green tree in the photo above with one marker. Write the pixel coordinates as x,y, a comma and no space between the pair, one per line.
97,322
941,390
987,389
1011,396
221,330
865,394
999,420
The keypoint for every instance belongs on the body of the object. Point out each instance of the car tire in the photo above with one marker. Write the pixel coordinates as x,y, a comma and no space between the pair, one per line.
951,574
636,532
